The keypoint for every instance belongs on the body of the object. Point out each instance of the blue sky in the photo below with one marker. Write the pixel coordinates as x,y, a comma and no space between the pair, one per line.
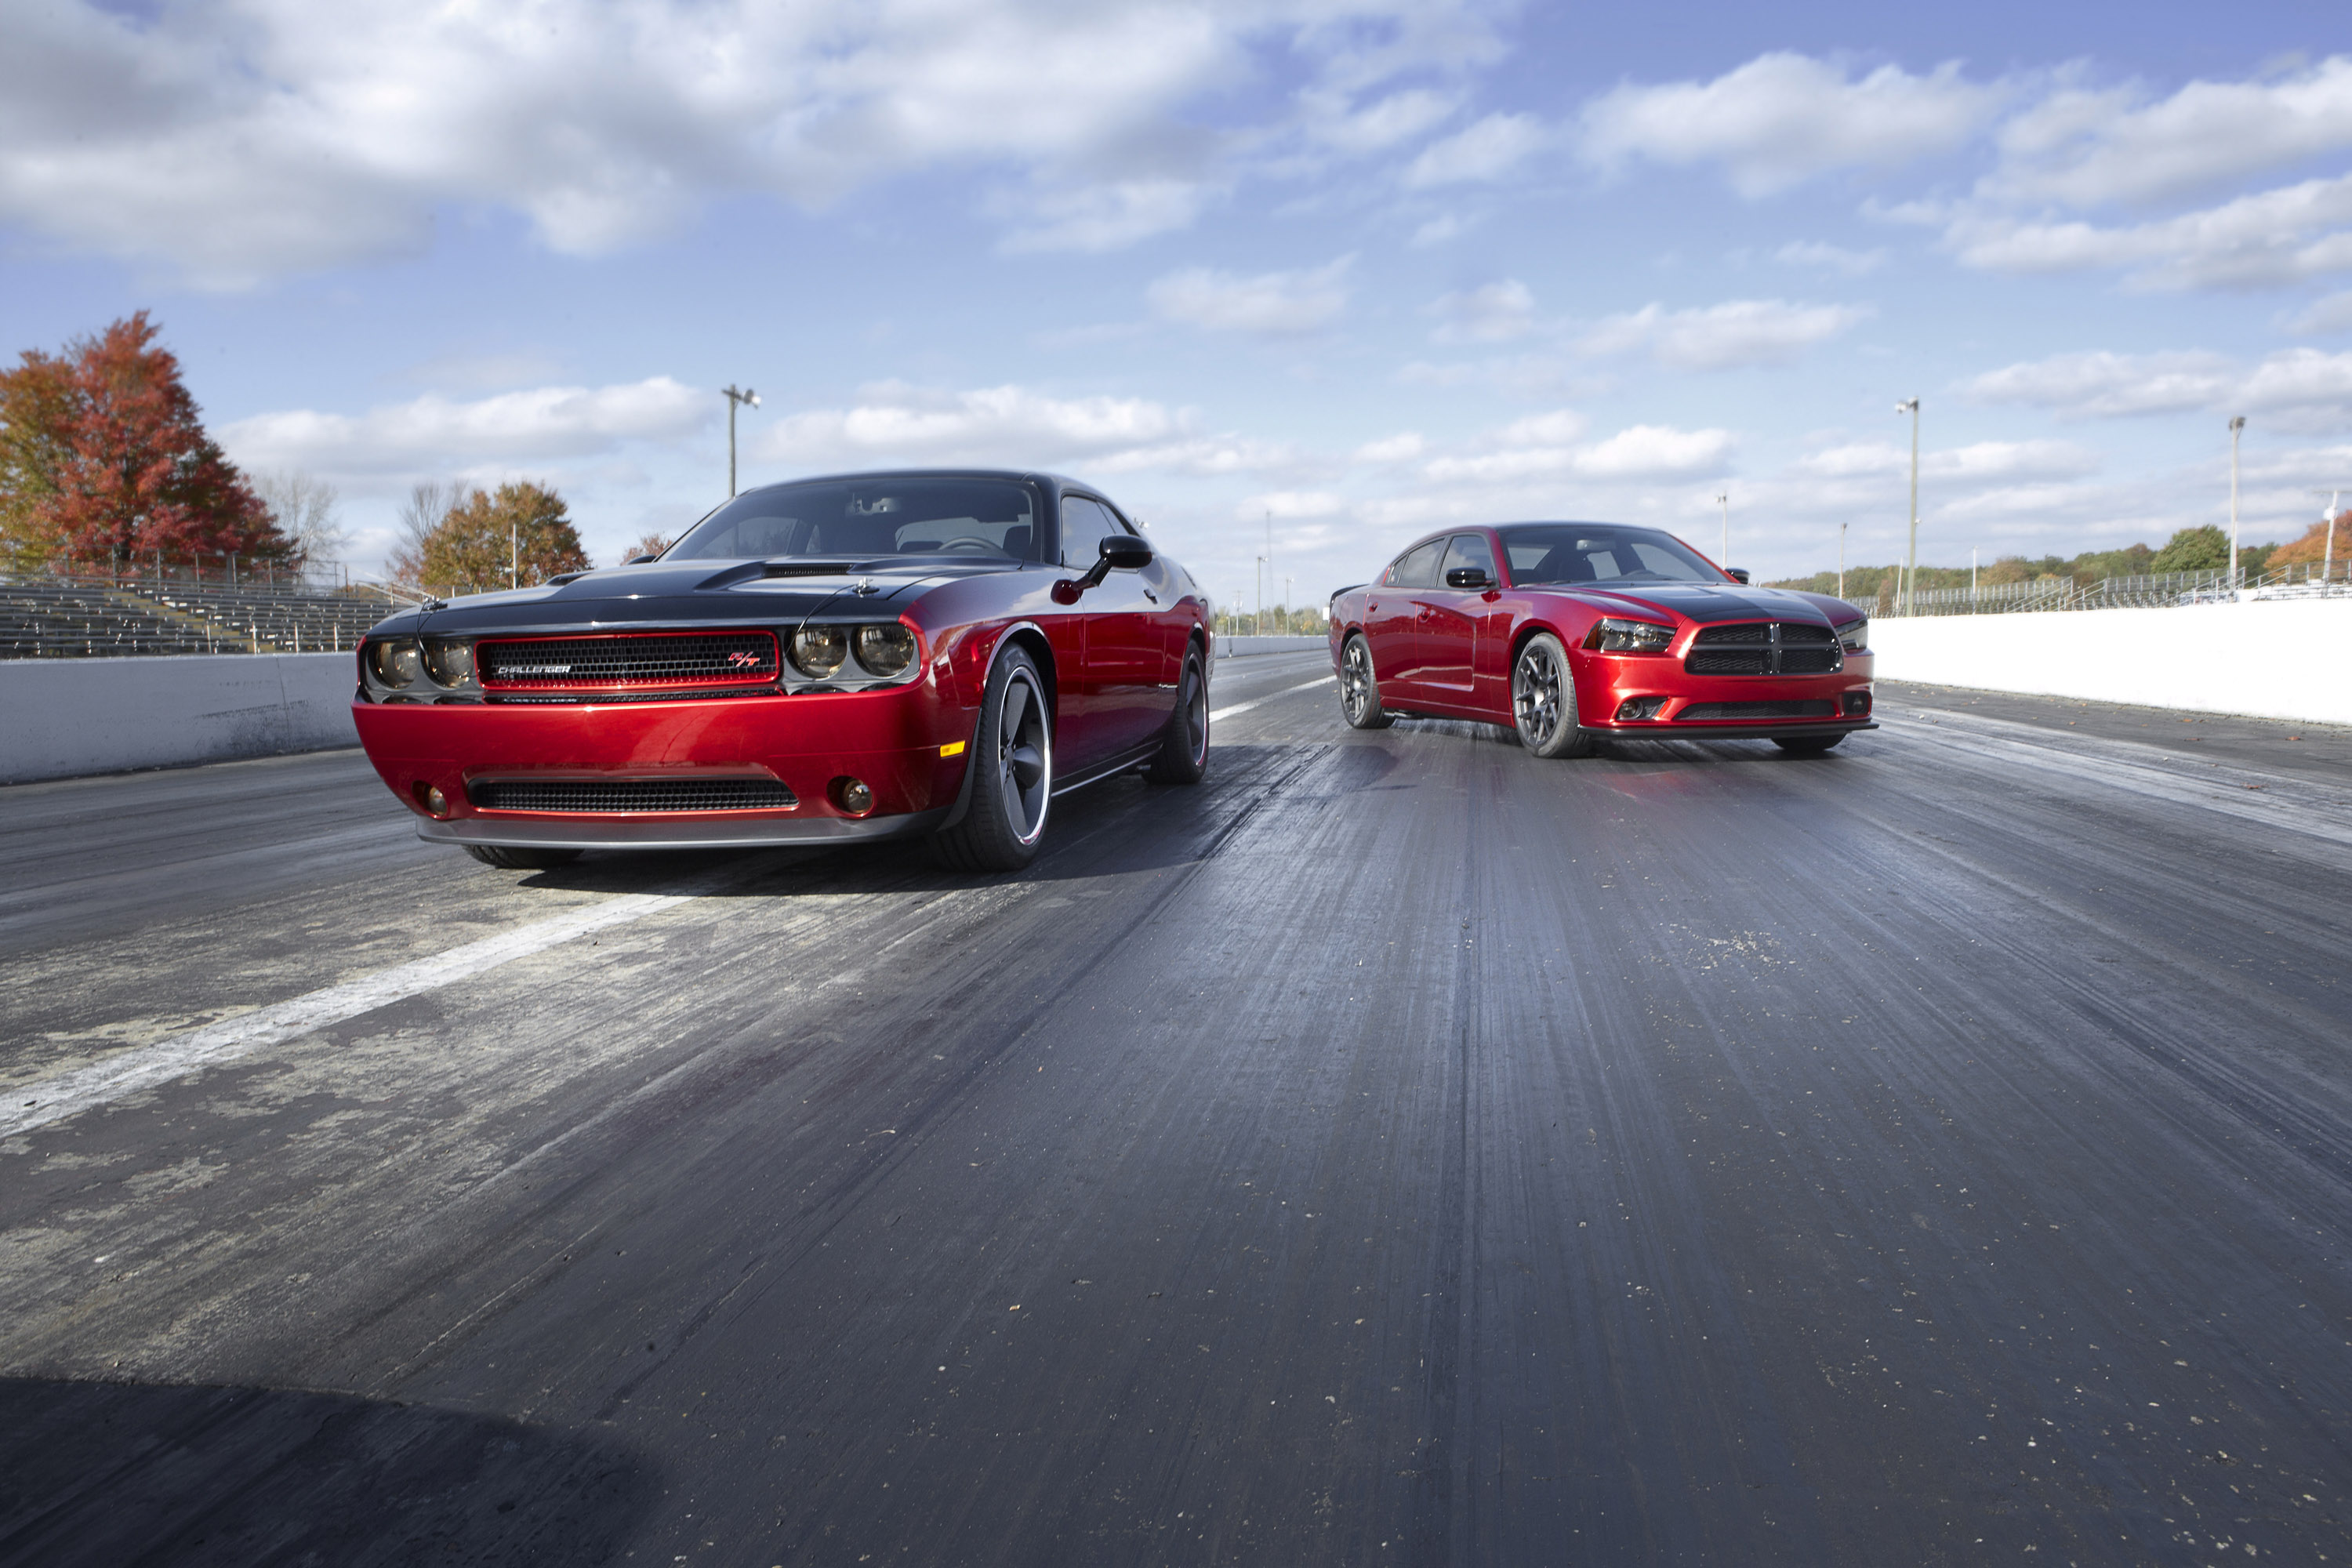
1368,268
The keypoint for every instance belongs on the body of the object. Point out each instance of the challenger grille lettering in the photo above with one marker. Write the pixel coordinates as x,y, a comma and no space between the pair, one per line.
535,669
605,666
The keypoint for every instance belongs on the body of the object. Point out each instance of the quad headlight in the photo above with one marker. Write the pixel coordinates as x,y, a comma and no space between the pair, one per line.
1855,636
886,650
395,662
1615,635
853,656
817,651
450,664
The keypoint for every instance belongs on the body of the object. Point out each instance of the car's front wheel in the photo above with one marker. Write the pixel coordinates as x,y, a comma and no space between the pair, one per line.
513,857
1359,692
1543,700
1012,778
1184,756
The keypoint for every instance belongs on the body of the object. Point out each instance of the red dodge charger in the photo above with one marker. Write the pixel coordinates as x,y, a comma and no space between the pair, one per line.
1571,631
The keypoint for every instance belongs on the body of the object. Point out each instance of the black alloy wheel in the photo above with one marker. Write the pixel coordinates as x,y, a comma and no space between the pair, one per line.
1807,745
1184,756
1543,700
1012,778
513,857
1360,691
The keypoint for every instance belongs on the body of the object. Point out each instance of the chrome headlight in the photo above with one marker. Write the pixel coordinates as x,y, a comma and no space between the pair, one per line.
1615,635
818,650
1855,636
886,650
395,662
450,664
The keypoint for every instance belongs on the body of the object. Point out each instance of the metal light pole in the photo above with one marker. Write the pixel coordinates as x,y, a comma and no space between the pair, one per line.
735,399
2236,424
1258,625
1841,561
514,553
2327,561
1972,579
1723,557
1911,567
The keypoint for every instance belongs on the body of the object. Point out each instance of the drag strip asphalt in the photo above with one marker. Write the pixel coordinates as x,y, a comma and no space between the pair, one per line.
1395,1149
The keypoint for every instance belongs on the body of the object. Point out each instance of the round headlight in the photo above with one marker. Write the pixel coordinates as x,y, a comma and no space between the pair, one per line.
819,650
885,649
394,661
449,663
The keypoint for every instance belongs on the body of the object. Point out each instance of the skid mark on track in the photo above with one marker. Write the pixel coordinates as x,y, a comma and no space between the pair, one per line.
1240,708
38,1104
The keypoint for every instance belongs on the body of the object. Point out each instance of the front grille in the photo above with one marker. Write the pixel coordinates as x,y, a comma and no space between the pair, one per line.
1764,648
1810,708
631,794
669,661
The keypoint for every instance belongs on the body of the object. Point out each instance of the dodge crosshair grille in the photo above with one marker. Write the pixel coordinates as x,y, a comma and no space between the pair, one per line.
585,667
1765,647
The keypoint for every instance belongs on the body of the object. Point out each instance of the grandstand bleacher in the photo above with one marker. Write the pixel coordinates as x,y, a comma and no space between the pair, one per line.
59,617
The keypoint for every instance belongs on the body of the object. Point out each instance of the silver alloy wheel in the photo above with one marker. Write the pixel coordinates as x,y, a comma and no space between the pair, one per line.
1357,693
1024,757
1536,681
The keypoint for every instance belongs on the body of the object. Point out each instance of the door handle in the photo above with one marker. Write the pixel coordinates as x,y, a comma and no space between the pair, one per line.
1150,596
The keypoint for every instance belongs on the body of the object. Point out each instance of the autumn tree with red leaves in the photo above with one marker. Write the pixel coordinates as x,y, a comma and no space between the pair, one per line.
104,459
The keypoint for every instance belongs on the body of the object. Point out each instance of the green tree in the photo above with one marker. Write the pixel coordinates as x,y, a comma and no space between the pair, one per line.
2204,548
522,528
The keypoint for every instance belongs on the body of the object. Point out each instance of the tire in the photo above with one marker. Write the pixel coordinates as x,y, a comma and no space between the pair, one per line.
1360,689
1012,786
511,857
1806,745
1543,700
1184,756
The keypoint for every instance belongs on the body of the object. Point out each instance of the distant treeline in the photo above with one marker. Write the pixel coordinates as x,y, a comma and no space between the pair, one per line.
2202,549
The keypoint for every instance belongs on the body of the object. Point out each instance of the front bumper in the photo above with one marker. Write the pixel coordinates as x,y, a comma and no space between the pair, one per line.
1700,707
893,742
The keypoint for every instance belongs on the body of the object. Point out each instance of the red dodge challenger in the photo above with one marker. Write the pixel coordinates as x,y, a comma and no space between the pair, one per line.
1571,631
861,657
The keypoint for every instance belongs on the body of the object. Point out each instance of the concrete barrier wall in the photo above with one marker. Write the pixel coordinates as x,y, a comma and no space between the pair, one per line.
1228,647
61,718
2273,659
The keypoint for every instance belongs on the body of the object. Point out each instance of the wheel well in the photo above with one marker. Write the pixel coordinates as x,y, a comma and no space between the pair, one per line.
1520,640
1041,654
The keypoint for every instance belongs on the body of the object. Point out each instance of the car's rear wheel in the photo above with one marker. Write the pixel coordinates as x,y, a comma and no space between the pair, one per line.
1806,745
1543,700
1013,783
513,857
1184,756
1360,691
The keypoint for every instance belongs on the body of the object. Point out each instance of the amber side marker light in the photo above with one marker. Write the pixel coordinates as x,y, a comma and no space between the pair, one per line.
953,749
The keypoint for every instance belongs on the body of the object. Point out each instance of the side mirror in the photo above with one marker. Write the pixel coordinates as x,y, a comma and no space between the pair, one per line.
1124,552
1738,574
1468,577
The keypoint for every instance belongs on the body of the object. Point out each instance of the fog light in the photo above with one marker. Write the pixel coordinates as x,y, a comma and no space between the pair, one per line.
1857,704
430,797
1634,708
853,797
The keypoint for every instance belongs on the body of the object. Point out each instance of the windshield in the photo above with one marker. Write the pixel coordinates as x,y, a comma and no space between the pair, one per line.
865,518
1599,553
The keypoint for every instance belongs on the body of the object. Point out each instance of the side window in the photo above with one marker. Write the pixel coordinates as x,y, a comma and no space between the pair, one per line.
1084,524
1468,550
1417,568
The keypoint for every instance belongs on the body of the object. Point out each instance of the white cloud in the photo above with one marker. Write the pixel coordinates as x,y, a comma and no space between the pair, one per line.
1491,313
1829,257
2270,237
1272,304
895,423
1335,122
435,434
1401,447
2084,148
2333,314
242,139
1485,152
1783,118
1291,504
1984,462
2299,388
1657,451
1721,337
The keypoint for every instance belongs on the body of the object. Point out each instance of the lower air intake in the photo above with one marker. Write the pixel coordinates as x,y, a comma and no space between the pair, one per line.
631,794
1822,708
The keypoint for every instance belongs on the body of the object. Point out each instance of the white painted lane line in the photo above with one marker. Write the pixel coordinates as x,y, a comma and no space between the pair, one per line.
68,1093
1218,713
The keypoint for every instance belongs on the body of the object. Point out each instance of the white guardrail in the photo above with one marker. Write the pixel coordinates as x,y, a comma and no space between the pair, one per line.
2274,659
63,718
